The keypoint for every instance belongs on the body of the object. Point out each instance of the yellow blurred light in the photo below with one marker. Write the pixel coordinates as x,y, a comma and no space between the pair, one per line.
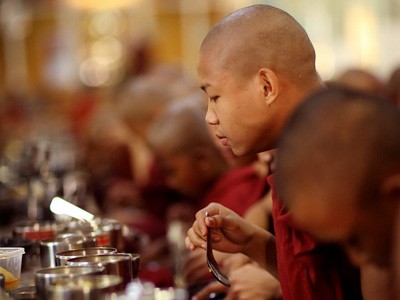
94,72
362,34
109,49
325,60
101,4
105,23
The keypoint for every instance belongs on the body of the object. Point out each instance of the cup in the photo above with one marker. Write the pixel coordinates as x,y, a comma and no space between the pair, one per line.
48,276
84,287
63,257
10,266
108,231
114,229
103,238
49,248
120,264
28,246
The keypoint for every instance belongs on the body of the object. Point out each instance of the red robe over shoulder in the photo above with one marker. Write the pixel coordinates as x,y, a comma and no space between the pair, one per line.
309,270
238,189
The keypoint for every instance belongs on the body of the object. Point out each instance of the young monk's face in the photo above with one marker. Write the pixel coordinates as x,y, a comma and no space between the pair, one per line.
362,231
237,111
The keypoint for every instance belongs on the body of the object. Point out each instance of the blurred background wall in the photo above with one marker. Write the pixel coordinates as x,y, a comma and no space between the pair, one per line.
64,44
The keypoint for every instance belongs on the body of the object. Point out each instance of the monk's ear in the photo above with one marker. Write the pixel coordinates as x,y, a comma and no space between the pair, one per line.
390,188
269,84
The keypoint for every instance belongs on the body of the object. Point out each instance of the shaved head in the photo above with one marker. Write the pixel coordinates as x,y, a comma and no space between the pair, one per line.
338,171
187,154
181,128
362,80
339,135
267,37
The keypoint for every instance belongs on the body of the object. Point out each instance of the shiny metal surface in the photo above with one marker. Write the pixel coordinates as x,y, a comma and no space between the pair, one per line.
212,263
48,276
119,264
63,257
113,227
135,258
107,231
84,287
50,247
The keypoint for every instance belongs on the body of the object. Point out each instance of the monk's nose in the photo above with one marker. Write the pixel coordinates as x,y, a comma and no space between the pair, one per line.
211,117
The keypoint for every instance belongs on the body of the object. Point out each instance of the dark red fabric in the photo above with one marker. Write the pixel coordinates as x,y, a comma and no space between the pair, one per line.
238,189
308,270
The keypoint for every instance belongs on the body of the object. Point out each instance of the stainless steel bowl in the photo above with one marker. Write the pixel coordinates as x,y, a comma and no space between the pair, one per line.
120,264
63,257
49,248
84,287
48,276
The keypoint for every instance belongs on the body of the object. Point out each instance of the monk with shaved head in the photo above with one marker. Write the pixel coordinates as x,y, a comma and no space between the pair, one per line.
258,54
256,66
343,184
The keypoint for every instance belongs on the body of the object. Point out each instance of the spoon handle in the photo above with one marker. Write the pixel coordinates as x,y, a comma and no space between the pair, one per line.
212,263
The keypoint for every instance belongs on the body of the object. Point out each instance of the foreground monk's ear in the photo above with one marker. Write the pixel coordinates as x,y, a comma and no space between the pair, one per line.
270,86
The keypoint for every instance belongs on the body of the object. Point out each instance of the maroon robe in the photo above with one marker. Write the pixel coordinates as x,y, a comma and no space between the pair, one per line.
309,270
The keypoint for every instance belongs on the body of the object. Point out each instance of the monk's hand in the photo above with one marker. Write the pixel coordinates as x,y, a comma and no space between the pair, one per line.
230,232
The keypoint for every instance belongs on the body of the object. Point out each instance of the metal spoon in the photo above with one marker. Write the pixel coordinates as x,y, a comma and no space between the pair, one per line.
212,263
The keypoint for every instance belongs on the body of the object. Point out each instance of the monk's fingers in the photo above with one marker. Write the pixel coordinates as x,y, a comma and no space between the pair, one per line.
193,240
